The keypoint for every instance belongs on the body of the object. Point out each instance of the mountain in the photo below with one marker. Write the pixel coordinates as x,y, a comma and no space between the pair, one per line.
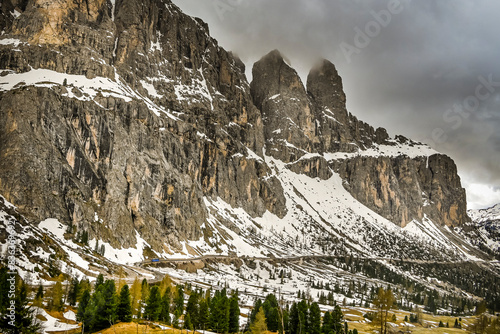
484,230
127,133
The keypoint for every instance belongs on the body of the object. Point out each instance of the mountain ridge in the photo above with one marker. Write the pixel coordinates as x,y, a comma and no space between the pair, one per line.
149,125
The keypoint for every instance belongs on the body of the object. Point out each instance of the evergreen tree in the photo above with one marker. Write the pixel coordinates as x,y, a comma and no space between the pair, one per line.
204,314
20,317
82,306
337,318
293,322
327,319
73,291
219,312
192,309
99,281
303,316
188,324
83,286
179,299
234,313
153,305
259,325
165,306
314,319
101,310
124,307
270,307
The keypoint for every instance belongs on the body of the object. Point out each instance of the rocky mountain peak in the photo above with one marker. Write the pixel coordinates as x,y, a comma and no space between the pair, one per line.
325,86
278,91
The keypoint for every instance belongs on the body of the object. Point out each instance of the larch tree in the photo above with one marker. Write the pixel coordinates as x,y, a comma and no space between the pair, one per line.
383,303
259,325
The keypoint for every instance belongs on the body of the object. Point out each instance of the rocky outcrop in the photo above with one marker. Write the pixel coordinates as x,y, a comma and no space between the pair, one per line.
147,163
290,129
139,118
340,130
400,188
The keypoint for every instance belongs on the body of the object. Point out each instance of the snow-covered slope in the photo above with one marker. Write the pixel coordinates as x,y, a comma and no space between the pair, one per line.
484,231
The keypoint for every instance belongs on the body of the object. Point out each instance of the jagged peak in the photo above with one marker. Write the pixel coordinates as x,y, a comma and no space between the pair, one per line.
272,75
325,84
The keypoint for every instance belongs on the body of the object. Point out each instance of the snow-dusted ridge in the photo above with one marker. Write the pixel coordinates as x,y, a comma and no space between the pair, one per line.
395,150
89,87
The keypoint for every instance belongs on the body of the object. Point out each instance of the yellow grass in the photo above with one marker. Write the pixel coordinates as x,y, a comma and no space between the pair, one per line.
141,328
429,323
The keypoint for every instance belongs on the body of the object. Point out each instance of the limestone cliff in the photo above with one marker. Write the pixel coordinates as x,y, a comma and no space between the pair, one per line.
126,115
187,129
401,187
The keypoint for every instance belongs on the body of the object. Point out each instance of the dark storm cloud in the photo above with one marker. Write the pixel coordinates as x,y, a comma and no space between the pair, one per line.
409,74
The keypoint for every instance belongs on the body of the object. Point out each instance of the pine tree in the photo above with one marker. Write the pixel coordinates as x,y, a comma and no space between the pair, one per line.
99,281
84,301
192,308
101,310
303,311
165,306
234,313
327,319
314,319
259,325
219,312
179,299
23,319
188,324
293,321
270,307
337,319
204,314
73,291
153,305
124,308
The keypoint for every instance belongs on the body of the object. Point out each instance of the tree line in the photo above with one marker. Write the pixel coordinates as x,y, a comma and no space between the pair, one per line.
303,317
108,304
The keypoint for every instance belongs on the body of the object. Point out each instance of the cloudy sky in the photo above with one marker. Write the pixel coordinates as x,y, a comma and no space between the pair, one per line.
426,69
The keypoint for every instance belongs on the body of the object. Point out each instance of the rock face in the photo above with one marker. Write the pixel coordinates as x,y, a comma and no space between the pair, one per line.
400,188
127,115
